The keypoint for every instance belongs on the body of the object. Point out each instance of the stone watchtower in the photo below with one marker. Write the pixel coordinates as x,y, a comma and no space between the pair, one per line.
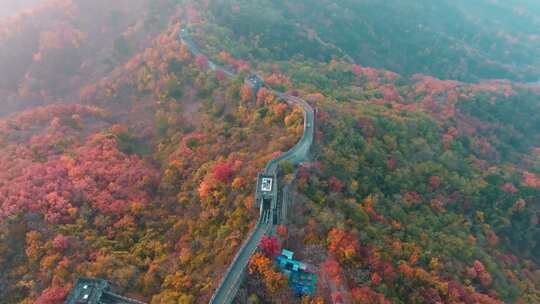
254,82
266,195
95,291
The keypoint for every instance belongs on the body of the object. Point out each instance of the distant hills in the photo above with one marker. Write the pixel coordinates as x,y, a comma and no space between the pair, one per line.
462,40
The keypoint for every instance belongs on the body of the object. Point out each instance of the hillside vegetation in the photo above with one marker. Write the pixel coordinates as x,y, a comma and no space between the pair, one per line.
124,157
446,39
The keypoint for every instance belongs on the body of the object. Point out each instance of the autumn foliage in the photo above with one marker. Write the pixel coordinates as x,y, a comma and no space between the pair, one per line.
367,295
52,296
388,181
124,183
342,244
270,246
124,157
101,176
264,266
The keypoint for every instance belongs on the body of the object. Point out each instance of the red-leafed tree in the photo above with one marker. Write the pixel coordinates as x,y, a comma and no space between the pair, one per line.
391,164
220,75
509,188
430,295
531,180
282,231
223,172
480,273
202,61
337,297
376,278
53,295
435,181
270,246
333,271
335,184
61,242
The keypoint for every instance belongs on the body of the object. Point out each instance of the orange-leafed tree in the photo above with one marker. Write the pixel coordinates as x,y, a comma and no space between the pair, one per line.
342,244
246,94
366,295
282,231
273,280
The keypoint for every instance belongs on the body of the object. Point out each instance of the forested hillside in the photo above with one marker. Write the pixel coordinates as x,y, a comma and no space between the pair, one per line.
124,157
446,39
143,177
55,48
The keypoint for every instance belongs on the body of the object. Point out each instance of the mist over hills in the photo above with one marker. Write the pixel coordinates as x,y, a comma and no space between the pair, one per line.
12,7
461,40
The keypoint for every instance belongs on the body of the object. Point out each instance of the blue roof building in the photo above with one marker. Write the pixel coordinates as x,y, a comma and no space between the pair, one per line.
301,279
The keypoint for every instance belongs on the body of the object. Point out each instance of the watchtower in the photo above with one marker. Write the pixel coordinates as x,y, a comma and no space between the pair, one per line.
95,291
254,82
266,184
266,196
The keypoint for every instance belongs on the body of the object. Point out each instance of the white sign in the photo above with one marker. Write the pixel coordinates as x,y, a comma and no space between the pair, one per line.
266,184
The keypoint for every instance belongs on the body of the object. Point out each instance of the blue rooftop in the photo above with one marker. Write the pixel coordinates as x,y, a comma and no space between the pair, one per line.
301,280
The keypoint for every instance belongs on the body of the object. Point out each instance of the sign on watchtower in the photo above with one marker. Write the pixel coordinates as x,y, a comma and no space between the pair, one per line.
265,188
266,184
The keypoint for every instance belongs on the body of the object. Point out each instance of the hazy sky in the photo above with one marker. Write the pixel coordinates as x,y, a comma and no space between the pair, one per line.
9,7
